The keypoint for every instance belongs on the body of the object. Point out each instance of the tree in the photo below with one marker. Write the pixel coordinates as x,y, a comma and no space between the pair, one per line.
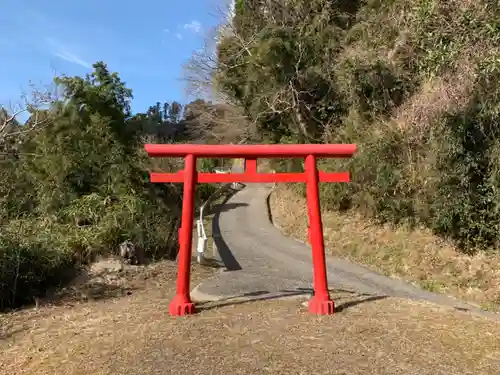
217,123
79,187
278,63
101,92
215,116
36,104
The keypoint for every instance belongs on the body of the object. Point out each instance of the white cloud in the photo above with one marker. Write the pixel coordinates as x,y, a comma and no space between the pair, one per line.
68,56
194,26
58,49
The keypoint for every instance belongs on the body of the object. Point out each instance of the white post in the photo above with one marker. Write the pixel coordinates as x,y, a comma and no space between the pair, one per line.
200,227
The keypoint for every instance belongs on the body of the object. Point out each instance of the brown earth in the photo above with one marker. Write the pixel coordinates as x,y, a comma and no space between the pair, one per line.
416,256
128,331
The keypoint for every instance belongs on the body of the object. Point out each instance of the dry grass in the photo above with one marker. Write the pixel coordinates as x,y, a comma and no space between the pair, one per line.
416,256
134,335
436,97
48,339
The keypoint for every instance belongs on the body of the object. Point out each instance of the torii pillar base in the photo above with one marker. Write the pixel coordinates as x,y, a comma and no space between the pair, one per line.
180,306
321,306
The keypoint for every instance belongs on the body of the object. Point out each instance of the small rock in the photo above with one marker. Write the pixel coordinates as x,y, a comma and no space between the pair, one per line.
130,253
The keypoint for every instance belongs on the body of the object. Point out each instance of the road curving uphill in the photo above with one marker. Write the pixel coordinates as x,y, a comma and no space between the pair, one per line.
261,262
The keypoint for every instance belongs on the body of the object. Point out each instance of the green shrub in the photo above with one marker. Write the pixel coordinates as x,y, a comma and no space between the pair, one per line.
372,86
31,262
79,187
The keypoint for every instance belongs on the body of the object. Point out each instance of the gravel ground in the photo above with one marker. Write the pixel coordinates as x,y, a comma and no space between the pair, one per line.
132,333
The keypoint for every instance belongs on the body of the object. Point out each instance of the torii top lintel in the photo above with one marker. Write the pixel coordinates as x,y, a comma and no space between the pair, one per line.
251,151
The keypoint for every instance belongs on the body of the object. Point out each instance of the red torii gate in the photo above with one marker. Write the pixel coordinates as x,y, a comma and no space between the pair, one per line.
321,302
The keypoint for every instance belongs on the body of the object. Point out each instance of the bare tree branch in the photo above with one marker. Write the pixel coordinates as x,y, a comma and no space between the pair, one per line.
220,123
36,104
290,99
219,119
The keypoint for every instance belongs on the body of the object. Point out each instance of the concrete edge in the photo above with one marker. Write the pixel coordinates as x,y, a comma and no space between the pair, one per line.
199,297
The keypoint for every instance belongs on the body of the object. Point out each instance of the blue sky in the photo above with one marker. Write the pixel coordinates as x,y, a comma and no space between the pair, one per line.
146,42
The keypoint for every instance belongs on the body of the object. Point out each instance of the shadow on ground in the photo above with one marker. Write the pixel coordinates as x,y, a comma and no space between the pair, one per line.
229,206
354,299
229,261
95,291
227,257
83,288
68,297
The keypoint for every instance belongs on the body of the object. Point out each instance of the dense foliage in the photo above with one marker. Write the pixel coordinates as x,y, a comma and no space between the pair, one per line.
413,83
78,186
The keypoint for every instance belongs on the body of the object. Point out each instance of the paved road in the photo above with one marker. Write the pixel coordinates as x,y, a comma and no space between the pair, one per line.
261,262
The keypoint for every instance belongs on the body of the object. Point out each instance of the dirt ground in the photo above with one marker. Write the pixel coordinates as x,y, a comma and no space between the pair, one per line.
416,256
129,331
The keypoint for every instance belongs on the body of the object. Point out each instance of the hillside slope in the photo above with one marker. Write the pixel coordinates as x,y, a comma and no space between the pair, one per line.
413,83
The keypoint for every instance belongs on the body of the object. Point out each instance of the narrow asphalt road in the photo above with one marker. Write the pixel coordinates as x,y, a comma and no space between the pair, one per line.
260,262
